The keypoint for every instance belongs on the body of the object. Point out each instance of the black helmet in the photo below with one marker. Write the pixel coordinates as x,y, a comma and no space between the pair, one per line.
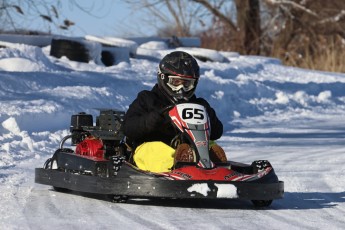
178,75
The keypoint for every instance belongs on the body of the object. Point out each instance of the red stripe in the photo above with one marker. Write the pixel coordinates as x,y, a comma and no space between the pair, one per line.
180,75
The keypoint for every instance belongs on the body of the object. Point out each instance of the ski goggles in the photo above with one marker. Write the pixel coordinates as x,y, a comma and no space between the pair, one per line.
176,83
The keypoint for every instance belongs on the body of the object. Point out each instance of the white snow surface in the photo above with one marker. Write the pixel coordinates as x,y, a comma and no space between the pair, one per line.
295,118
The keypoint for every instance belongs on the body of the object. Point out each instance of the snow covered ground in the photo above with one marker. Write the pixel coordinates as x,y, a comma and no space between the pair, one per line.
295,118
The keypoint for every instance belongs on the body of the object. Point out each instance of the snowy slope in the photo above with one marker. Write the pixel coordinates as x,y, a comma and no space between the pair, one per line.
292,117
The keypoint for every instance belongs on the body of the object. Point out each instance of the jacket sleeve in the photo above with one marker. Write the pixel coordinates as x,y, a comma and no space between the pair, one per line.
216,125
142,118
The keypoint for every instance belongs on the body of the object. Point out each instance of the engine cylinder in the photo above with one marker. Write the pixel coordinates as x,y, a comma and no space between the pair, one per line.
91,147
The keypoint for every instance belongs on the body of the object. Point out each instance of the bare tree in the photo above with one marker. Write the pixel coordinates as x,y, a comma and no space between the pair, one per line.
171,17
246,31
313,17
305,29
13,12
248,20
300,32
228,31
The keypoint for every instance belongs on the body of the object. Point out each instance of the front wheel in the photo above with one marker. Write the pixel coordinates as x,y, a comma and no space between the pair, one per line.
118,198
262,203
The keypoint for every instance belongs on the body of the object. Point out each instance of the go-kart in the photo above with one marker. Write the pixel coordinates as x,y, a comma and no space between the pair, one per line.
99,161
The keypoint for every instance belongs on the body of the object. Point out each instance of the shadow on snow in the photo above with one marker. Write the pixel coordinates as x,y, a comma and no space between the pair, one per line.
291,201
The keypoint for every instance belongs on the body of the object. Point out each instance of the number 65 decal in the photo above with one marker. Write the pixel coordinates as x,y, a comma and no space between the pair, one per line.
192,113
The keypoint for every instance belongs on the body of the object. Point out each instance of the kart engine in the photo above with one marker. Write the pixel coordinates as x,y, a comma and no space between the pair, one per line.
102,140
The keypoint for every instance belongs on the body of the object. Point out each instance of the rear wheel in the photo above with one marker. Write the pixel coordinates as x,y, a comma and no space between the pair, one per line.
51,164
118,198
58,189
262,203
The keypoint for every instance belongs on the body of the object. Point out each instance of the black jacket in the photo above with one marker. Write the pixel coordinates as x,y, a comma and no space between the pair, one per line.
144,121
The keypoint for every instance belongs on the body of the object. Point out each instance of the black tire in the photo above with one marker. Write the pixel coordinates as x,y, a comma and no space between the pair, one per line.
118,198
63,190
73,50
67,44
108,58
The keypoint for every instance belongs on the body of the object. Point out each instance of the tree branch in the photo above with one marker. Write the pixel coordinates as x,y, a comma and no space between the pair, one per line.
333,19
293,4
217,13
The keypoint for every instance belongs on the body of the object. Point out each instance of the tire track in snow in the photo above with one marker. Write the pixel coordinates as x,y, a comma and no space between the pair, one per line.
307,190
40,208
177,214
136,216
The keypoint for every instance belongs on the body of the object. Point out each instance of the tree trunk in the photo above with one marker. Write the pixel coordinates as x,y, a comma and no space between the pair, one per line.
248,21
